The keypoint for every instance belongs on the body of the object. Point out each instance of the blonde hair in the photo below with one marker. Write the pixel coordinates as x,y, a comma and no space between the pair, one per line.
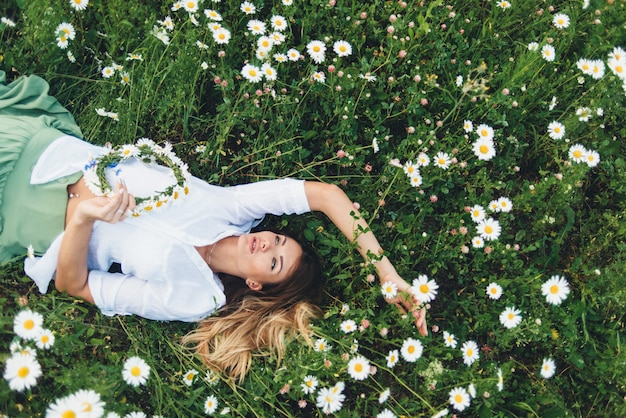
257,327
260,322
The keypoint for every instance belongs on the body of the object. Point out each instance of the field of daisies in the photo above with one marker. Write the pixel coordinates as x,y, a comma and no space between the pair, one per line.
482,140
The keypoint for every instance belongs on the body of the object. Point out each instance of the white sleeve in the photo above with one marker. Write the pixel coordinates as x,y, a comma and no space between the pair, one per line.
124,294
276,197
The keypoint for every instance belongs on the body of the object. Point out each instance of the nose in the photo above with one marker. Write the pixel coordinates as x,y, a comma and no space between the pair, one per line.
264,245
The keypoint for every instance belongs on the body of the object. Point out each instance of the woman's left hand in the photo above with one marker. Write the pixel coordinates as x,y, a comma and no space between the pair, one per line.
406,301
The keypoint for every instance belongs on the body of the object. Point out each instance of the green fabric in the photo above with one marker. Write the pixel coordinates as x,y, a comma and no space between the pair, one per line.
30,120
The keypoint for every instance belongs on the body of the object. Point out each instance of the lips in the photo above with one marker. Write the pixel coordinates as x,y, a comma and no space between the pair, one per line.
253,245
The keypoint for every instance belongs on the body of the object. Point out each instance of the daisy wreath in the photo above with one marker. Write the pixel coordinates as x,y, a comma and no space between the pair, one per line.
148,152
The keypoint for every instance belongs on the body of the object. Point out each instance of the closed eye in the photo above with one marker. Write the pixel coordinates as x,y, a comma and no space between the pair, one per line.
273,263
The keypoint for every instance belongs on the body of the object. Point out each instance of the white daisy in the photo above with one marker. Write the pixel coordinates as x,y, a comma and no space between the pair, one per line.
213,26
277,38
189,377
592,158
256,27
489,229
503,4
221,36
422,159
287,2
90,403
79,5
190,6
504,204
584,65
459,398
385,413
411,350
392,358
359,368
211,377
484,131
584,114
280,58
477,213
494,206
251,73
415,179
577,153
65,29
348,326
389,290
556,130
449,339
510,317
67,406
548,368
494,291
409,168
309,384
500,380
319,76
618,67
265,42
21,371
548,53
424,289
210,404
213,15
484,149
45,339
248,8
27,324
384,396
107,72
7,21
533,46
560,20
321,345
317,51
555,290
478,242
268,72
442,160
342,48
136,371
470,352
293,54
330,400
468,126
278,22
597,69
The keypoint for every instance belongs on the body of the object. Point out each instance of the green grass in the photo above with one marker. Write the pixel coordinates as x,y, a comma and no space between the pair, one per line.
567,218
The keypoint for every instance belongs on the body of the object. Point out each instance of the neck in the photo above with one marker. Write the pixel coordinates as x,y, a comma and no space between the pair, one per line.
221,256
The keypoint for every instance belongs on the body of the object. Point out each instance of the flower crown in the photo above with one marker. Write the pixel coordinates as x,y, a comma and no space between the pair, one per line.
148,152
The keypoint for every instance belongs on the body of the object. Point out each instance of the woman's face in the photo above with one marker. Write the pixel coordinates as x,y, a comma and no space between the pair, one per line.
267,257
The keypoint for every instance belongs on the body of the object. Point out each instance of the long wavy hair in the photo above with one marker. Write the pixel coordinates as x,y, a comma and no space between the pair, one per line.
259,323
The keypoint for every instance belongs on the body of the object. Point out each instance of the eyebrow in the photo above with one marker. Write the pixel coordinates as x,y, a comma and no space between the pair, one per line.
281,264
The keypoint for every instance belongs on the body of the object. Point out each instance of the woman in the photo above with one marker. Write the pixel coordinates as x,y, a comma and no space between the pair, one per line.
168,261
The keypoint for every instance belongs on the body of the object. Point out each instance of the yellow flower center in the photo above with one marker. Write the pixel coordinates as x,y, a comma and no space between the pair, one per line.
411,349
488,229
554,289
316,48
135,371
458,398
470,352
358,367
484,149
578,153
68,414
45,339
23,372
511,316
484,132
29,324
424,288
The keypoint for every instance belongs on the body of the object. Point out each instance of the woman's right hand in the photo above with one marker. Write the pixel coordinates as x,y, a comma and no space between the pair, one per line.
107,209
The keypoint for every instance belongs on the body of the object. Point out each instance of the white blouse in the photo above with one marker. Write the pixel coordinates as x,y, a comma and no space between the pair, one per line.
164,277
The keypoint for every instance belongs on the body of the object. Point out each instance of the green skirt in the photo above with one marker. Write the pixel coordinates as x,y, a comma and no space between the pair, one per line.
30,120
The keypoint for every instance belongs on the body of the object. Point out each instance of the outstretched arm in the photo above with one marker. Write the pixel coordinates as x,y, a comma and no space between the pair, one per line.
334,203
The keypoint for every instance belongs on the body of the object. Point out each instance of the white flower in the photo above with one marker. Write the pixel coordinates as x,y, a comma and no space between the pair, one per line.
21,371
265,43
548,53
384,396
278,22
504,204
30,252
331,399
389,290
560,20
583,113
90,403
268,72
548,367
321,345
556,130
459,80
348,326
411,350
592,158
597,69
477,213
27,324
342,48
375,145
484,149
510,317
221,36
494,291
309,384
79,5
533,46
449,339
293,54
424,289
468,126
500,380
189,377
484,131
359,368
213,15
392,358
618,67
442,160
555,290
415,179
386,413
256,27
251,73
423,160
470,352
577,153
441,414
135,371
65,30
319,76
478,242
489,229
459,398
190,6
7,21
67,406
248,8
45,339
317,51
210,404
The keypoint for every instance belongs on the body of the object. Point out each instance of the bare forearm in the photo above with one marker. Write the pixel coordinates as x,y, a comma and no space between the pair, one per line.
72,272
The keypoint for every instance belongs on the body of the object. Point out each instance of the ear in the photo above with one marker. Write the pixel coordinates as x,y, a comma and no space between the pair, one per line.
254,285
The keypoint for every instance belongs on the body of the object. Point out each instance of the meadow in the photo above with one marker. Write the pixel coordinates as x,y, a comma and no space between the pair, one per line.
482,140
